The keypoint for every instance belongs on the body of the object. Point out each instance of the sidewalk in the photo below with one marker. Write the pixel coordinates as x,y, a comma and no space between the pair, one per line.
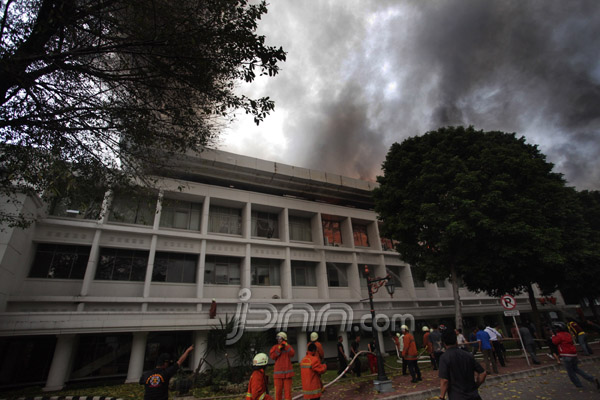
516,369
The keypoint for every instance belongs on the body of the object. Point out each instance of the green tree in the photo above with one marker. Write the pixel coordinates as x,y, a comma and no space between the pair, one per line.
100,89
581,275
479,207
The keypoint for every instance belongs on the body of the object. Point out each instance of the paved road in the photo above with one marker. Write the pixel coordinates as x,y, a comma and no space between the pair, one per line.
553,385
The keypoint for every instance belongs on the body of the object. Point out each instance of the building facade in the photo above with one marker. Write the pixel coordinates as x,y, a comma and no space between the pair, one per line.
101,291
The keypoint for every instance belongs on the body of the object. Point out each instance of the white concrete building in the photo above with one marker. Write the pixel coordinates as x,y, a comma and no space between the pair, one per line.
83,296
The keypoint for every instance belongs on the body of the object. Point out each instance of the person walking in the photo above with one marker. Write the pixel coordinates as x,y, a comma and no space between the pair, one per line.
485,348
495,338
568,356
410,354
460,375
341,356
258,386
314,337
282,354
399,349
156,381
311,370
429,347
460,339
528,343
580,336
435,337
353,352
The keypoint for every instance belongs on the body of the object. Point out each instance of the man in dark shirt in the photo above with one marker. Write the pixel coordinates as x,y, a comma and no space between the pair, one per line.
341,355
156,381
457,372
354,350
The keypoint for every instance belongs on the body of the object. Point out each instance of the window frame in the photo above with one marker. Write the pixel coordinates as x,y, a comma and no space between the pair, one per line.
232,216
77,266
273,266
171,207
296,224
334,224
341,279
309,269
360,235
138,263
264,224
190,263
225,262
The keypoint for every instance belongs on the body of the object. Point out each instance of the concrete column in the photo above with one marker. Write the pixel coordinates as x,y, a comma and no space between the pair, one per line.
284,225
246,273
347,234
136,358
345,343
354,278
301,345
150,266
200,346
316,225
92,264
59,369
158,212
205,216
247,221
373,234
200,273
321,276
286,276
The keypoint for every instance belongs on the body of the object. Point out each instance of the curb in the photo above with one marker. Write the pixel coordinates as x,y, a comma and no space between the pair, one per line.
429,393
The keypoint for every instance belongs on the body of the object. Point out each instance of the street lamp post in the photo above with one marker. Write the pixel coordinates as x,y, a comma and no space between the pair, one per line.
382,383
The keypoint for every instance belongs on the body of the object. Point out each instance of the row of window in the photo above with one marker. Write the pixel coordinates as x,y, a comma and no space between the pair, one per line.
179,214
70,262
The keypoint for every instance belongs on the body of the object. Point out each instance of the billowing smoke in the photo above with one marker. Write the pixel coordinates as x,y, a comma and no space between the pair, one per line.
362,75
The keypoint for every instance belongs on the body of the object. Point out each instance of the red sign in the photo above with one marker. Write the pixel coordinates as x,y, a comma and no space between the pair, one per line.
508,302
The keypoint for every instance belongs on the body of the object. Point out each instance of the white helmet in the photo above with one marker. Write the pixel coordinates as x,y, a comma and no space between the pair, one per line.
397,334
314,336
282,335
425,329
404,328
260,360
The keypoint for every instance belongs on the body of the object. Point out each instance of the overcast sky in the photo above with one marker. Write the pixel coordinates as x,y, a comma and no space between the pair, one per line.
361,75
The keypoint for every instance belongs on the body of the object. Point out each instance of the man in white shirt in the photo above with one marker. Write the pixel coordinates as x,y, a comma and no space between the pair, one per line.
495,338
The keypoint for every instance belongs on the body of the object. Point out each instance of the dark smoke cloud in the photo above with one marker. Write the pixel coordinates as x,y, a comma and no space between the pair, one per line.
362,75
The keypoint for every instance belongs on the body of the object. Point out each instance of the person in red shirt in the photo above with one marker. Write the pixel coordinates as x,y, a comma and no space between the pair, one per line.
258,387
568,355
311,370
282,354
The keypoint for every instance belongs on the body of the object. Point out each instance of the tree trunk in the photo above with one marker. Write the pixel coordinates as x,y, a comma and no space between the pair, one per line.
594,308
534,311
454,279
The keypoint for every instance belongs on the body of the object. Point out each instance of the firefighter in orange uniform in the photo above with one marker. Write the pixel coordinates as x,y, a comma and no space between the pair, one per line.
282,354
313,339
311,370
259,384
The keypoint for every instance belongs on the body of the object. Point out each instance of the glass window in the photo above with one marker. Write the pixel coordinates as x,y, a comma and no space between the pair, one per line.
225,220
304,273
222,270
57,261
174,267
133,208
388,244
101,355
300,229
360,235
418,282
337,275
122,265
332,230
86,206
265,272
394,272
180,214
265,224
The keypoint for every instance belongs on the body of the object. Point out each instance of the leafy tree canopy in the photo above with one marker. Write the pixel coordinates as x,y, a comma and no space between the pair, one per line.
484,203
581,276
92,88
